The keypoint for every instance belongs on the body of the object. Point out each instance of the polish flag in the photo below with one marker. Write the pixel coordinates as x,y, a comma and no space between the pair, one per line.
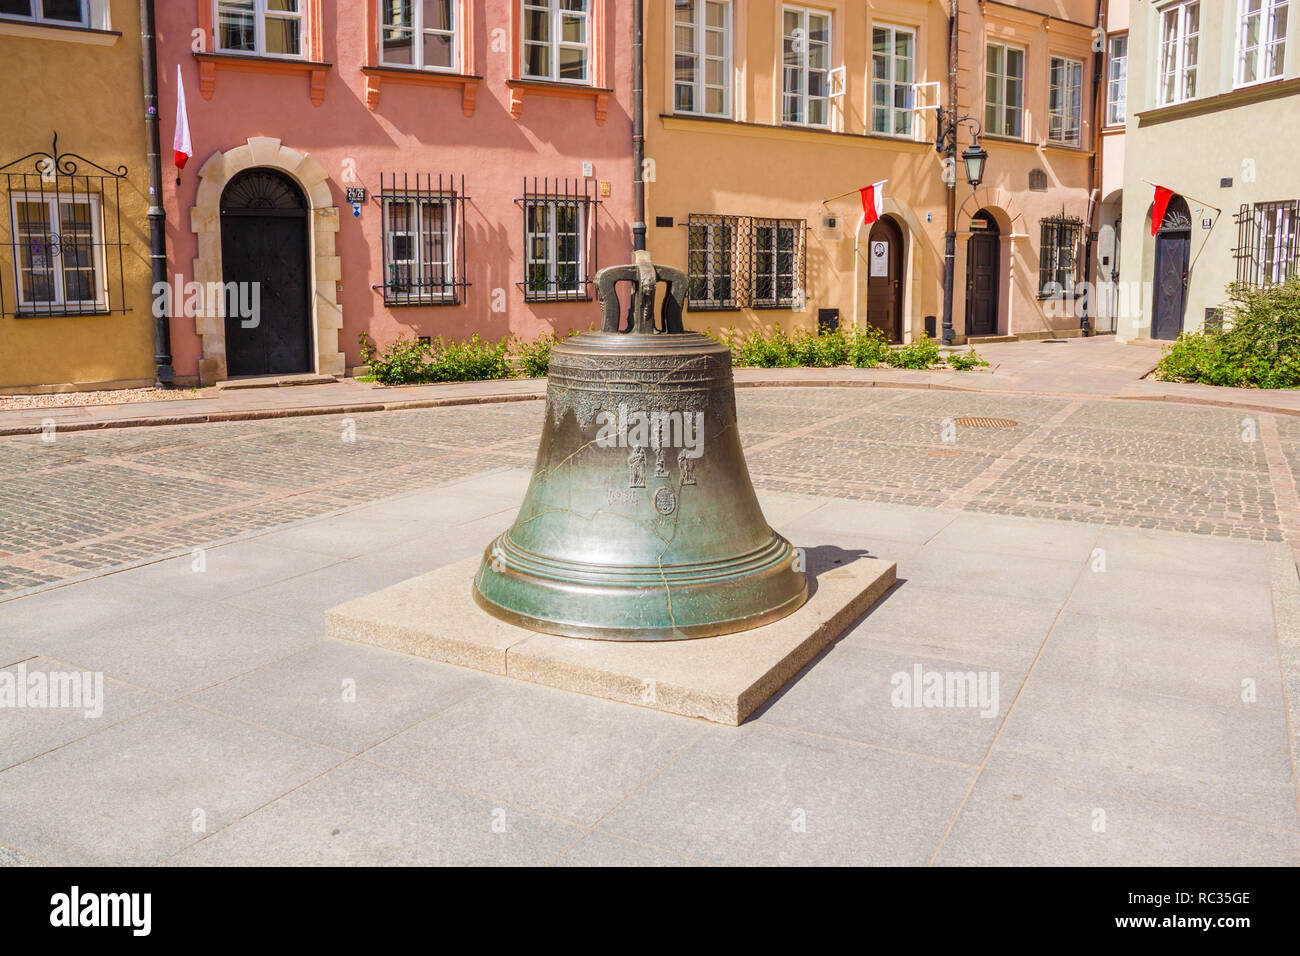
1163,196
184,149
873,201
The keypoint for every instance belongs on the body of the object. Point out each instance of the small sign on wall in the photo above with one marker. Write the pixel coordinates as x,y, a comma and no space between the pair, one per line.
356,194
879,259
1207,223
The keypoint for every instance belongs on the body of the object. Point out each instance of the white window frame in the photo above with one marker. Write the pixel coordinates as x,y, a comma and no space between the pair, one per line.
551,260
805,99
1001,106
1117,82
1266,40
891,109
38,15
555,14
1071,117
418,32
60,302
260,15
700,86
1178,57
1277,231
417,229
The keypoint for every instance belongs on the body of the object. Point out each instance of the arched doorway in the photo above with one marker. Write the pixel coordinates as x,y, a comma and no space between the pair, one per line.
1173,252
983,252
885,278
264,260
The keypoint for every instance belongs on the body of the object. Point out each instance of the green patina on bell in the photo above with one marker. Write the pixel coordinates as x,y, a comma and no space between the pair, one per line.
640,522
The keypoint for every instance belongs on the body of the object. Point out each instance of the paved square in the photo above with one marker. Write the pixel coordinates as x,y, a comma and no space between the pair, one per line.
1108,588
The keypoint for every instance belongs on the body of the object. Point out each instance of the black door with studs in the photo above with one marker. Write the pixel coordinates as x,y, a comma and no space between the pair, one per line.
264,247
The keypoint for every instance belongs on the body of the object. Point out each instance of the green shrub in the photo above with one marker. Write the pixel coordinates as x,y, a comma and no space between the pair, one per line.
867,347
1258,346
920,354
410,361
965,361
819,349
534,358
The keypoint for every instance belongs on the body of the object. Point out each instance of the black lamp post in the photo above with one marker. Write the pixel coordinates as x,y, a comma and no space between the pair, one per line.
973,158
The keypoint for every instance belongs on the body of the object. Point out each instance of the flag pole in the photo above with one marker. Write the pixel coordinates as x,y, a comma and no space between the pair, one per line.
852,191
1186,196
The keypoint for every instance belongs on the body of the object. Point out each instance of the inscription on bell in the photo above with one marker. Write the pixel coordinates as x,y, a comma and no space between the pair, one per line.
665,501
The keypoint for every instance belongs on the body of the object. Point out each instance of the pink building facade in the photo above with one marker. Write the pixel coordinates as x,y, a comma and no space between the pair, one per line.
390,167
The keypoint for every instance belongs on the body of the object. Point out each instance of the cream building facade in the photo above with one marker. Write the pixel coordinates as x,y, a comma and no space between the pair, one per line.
1213,103
764,119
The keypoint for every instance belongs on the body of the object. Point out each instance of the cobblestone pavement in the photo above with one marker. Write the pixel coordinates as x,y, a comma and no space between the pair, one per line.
89,501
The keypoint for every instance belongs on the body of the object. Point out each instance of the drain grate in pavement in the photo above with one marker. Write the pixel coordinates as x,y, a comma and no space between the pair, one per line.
981,422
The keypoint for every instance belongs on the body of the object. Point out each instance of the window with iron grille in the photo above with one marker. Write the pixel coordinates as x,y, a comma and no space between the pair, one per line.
424,239
1268,247
736,262
559,259
712,256
1058,262
64,244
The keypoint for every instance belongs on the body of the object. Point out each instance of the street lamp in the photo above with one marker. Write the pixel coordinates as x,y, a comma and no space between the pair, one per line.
973,158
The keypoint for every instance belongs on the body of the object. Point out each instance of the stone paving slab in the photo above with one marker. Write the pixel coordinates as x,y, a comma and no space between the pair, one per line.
722,679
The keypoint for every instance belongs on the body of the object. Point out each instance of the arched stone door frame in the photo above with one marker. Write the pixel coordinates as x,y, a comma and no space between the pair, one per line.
326,267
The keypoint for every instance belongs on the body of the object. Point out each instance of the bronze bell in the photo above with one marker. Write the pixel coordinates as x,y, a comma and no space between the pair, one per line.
640,522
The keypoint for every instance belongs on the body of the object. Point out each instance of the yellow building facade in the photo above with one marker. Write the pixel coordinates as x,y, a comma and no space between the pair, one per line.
76,303
765,118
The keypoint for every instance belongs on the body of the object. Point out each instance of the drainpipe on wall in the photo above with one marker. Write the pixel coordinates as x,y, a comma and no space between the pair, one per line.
1094,167
638,125
165,375
950,235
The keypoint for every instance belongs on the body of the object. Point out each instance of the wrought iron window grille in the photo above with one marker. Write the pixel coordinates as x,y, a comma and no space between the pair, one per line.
1268,243
424,252
1058,255
64,247
560,240
737,262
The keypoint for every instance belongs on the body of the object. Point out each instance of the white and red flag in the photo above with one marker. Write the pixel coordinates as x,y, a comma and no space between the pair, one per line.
182,146
873,201
1163,195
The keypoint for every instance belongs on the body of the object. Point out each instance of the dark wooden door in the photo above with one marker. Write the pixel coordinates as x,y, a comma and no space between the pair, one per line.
885,279
264,248
983,252
1169,298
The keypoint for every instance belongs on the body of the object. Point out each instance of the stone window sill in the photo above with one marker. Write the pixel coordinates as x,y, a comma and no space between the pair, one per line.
210,63
377,76
598,95
56,31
